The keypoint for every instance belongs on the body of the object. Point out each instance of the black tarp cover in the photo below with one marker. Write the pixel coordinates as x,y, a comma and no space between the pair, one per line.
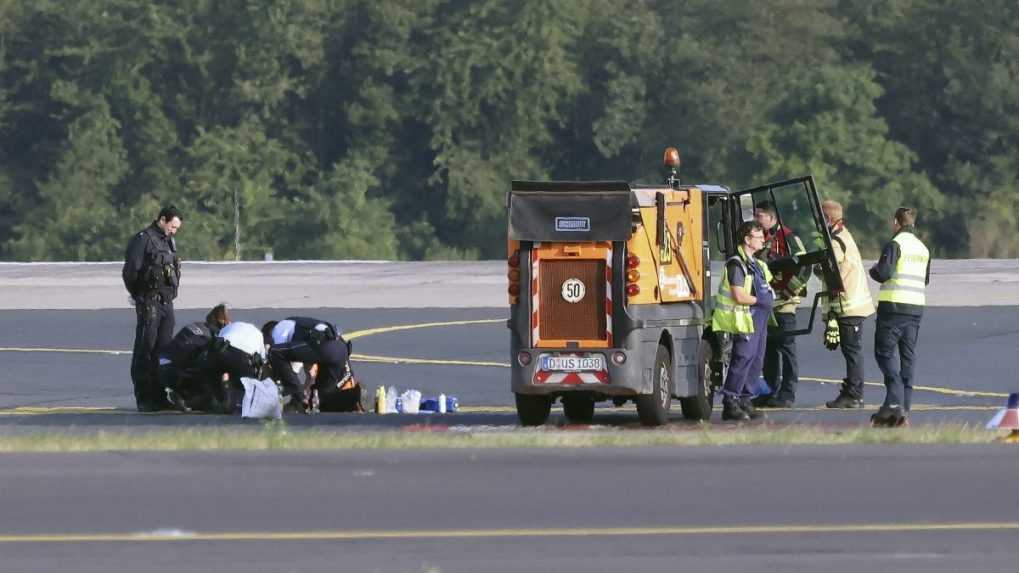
570,211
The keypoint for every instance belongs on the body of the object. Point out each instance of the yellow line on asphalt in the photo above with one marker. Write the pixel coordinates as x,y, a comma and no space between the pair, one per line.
934,389
440,362
64,350
37,410
343,535
40,410
434,362
386,329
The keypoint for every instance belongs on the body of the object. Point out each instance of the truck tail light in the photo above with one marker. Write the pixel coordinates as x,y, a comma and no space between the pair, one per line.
632,275
513,262
524,357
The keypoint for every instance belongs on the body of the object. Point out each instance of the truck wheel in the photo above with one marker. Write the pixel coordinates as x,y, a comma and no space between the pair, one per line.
699,407
579,408
653,408
533,410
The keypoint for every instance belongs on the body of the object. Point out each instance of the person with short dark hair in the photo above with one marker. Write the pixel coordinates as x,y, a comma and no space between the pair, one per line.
742,308
904,271
151,276
781,369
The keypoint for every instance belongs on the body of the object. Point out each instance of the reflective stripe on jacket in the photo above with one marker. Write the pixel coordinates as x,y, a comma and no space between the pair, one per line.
728,315
908,284
855,300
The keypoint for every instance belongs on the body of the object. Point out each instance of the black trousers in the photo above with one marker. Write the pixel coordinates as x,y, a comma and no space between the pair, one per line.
851,343
781,370
895,350
154,330
331,357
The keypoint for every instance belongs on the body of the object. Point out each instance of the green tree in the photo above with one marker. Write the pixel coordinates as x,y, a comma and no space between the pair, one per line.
828,126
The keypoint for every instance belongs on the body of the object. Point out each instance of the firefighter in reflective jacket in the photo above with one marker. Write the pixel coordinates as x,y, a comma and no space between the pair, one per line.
781,245
850,308
743,308
904,271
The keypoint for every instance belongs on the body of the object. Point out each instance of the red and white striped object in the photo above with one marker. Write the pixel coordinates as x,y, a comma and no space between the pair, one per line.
571,378
608,296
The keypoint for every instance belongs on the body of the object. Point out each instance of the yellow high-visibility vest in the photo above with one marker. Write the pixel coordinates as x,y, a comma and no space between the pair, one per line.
728,315
908,284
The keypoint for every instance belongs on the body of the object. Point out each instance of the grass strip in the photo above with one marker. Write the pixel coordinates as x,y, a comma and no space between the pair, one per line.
277,436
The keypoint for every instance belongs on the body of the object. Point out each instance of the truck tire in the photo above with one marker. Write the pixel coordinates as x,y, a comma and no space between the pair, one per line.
533,410
578,407
699,407
653,408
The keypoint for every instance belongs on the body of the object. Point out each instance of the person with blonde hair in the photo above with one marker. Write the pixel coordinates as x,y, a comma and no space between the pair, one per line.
850,308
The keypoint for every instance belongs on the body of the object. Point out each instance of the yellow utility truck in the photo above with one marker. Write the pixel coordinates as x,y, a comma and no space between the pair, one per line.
610,288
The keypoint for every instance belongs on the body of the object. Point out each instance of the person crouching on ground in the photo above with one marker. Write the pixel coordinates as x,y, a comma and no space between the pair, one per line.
181,361
309,341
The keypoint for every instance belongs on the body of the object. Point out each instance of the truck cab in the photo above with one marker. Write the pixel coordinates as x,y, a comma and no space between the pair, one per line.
610,288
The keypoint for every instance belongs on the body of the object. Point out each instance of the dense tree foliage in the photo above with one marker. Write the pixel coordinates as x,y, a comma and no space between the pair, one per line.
391,129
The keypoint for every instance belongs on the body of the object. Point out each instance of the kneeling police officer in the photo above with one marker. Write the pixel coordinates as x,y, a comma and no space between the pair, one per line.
323,351
183,362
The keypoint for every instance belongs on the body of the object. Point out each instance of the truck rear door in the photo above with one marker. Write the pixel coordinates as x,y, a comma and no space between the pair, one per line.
798,209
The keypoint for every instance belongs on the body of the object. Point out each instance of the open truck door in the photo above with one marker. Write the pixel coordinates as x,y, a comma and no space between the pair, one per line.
808,241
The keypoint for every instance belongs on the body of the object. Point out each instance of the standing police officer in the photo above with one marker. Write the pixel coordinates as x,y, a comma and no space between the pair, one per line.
904,271
151,274
743,308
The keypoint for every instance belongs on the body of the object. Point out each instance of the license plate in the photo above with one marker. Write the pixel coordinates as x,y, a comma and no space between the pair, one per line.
573,363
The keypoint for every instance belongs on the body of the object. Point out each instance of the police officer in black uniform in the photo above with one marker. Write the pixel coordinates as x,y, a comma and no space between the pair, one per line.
310,341
151,275
184,361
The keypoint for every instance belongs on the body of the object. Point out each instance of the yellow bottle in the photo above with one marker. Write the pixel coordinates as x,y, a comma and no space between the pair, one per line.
380,400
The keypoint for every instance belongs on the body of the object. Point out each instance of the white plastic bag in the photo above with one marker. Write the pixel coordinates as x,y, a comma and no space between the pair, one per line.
411,401
391,396
261,399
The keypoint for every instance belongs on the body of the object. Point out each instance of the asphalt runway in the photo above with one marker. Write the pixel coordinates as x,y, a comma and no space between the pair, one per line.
967,357
845,509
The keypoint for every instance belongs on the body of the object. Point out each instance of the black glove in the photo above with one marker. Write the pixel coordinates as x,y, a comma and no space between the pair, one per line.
831,334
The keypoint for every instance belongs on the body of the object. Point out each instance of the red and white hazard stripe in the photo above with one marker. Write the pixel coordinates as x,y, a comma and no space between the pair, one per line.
534,295
608,296
571,378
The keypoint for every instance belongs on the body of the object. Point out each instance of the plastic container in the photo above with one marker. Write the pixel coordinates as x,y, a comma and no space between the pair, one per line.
431,404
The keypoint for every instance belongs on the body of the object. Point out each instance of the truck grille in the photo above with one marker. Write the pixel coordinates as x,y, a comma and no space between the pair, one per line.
562,320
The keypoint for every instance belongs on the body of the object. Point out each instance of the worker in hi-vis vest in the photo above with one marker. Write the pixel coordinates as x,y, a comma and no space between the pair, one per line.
904,271
742,308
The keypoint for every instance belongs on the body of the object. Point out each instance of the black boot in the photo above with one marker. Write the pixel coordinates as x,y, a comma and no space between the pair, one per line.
889,418
845,399
747,406
731,411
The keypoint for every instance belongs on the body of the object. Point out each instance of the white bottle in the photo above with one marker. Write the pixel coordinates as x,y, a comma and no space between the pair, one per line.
442,403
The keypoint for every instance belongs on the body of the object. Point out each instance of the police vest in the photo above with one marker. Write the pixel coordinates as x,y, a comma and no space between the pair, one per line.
728,315
908,284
